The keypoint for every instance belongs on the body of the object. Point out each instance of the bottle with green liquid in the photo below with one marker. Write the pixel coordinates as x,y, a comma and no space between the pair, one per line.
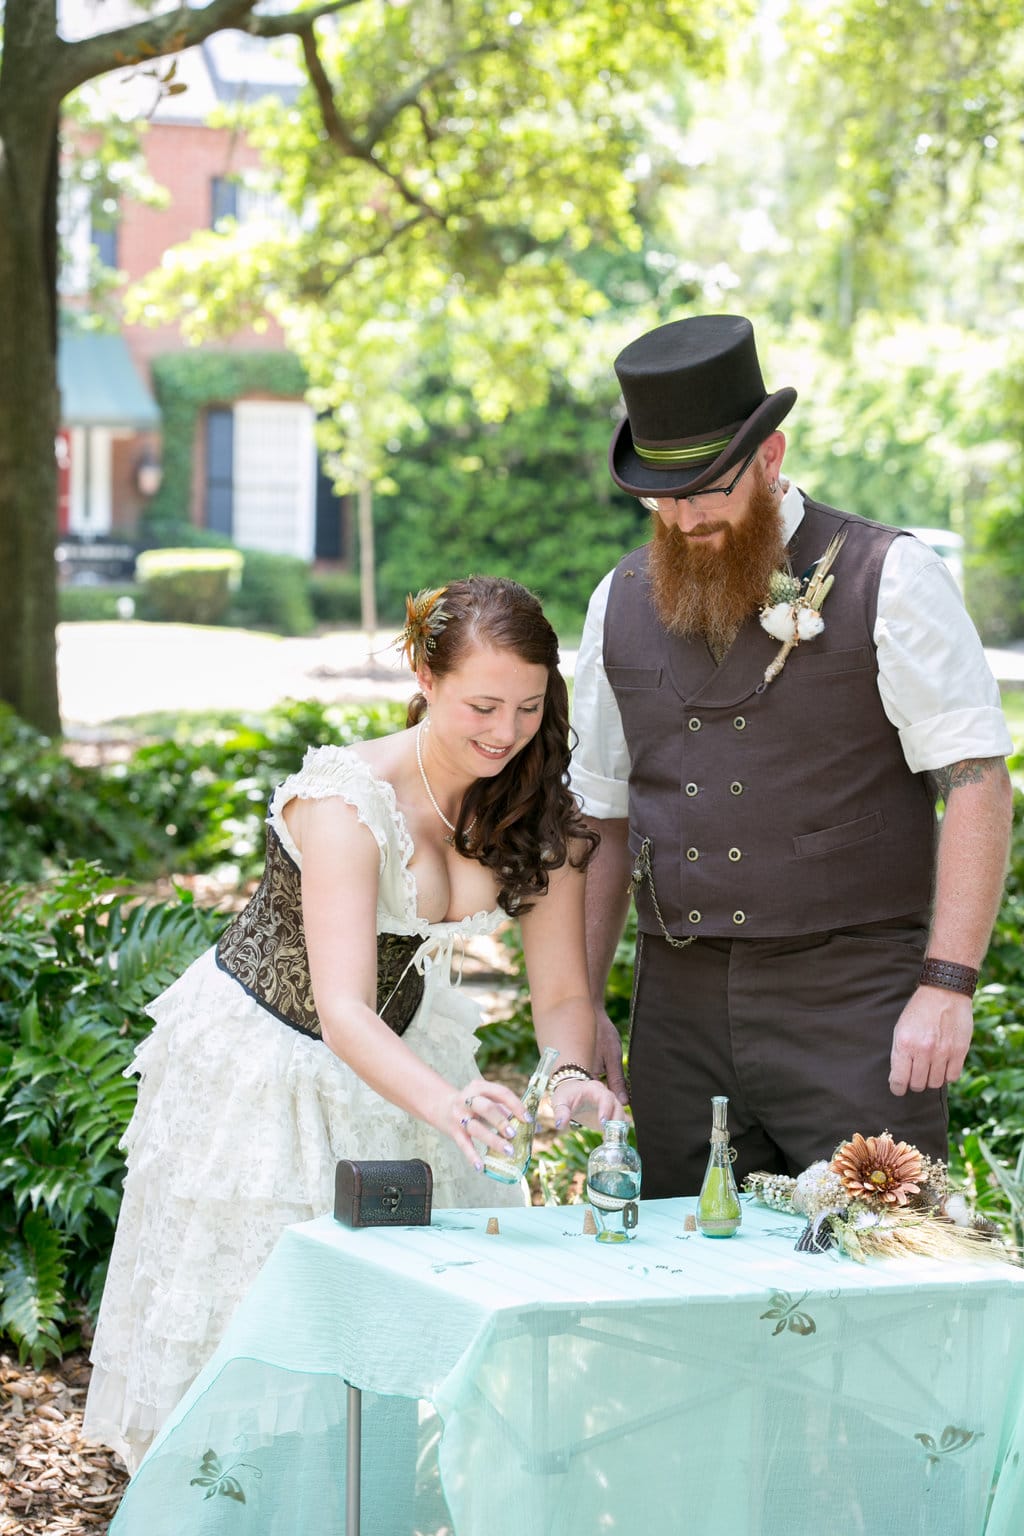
718,1208
509,1170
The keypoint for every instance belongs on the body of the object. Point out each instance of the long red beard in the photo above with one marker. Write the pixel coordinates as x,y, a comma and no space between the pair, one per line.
702,591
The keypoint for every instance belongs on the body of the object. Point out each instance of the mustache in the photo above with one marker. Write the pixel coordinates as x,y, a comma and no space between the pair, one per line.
702,530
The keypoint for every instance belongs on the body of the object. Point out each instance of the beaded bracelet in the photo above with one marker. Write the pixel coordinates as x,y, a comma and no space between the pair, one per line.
948,974
569,1071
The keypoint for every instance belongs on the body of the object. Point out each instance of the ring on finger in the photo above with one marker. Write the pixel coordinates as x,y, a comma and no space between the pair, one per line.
469,1102
464,1122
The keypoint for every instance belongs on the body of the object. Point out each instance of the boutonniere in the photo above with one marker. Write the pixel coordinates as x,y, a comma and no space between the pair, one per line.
792,609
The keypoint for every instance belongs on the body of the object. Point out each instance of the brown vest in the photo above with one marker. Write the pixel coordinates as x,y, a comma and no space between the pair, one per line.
265,951
773,810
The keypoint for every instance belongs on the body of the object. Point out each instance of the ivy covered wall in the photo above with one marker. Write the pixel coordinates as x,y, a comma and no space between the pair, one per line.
186,384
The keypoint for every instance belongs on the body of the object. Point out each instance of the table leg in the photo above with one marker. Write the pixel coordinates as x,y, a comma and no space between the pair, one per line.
353,1461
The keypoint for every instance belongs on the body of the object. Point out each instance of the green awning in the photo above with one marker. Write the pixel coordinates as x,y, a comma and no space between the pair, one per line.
100,386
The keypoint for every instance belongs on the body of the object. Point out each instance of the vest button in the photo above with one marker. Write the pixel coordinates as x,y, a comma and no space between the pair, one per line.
740,723
695,916
739,917
692,855
735,855
735,788
691,789
693,723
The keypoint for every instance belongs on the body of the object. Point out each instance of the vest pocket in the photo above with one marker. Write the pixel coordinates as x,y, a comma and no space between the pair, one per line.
810,844
633,677
827,663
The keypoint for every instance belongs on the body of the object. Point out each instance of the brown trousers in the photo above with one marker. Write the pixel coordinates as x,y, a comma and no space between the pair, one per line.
796,1032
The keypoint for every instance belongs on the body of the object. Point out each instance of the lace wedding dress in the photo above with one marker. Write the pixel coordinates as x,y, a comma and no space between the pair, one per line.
239,1123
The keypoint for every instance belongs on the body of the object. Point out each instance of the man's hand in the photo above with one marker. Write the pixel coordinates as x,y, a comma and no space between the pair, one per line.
608,1056
930,1040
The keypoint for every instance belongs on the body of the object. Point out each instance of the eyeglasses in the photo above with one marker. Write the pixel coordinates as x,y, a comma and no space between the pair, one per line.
651,502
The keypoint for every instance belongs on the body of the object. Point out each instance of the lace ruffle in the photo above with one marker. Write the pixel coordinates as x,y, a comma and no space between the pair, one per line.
328,771
239,1124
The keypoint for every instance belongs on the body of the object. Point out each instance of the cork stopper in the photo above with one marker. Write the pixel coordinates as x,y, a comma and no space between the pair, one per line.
589,1224
493,1230
690,1224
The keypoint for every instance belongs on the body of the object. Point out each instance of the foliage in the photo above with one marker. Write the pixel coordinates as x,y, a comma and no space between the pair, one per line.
907,156
274,593
530,499
93,604
194,799
188,586
335,597
78,964
443,182
186,383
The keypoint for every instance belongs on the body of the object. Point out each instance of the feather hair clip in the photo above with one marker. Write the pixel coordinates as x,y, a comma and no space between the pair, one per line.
425,619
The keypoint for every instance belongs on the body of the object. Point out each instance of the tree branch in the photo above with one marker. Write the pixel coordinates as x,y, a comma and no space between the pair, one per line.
174,31
389,110
341,135
317,283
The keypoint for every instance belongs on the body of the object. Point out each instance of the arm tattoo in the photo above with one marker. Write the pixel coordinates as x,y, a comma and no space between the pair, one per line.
971,770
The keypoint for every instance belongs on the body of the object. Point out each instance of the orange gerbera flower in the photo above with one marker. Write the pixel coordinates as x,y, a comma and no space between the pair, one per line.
878,1168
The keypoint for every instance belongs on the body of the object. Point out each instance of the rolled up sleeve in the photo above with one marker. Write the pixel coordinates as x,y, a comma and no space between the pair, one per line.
599,775
933,678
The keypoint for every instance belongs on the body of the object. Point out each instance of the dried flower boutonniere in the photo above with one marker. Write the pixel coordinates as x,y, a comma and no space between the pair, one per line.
792,610
425,618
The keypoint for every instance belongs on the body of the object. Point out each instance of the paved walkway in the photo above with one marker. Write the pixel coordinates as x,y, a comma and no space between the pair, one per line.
114,671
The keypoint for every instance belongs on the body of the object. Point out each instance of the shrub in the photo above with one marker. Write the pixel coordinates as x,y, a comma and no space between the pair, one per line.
188,586
193,799
336,597
273,594
84,604
77,966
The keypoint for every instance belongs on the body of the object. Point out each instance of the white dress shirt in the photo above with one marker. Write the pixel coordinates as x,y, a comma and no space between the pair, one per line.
933,679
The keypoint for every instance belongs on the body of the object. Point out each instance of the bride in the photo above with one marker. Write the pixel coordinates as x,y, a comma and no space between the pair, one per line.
327,1021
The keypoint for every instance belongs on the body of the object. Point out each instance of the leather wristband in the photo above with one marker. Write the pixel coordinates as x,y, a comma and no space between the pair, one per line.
946,973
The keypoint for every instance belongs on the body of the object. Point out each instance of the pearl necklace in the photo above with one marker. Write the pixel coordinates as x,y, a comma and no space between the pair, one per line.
450,839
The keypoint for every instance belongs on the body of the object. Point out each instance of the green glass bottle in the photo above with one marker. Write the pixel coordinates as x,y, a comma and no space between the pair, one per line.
509,1170
718,1209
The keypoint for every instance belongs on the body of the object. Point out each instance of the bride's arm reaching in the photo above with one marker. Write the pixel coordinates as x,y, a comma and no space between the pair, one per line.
340,874
563,1013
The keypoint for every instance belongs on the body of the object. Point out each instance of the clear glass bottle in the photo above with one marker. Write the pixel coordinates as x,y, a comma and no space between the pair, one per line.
613,1184
509,1170
718,1209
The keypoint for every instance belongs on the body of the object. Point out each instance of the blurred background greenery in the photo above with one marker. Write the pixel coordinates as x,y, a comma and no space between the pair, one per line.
464,251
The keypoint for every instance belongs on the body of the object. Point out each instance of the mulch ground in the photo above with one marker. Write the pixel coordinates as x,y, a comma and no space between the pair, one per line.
52,1482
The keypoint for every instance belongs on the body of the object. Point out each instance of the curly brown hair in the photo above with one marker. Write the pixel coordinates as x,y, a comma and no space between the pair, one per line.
525,820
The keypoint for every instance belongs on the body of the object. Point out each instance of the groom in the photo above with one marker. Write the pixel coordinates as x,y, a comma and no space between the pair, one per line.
808,936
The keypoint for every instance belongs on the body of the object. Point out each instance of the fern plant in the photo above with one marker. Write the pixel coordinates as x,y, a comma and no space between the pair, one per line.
79,960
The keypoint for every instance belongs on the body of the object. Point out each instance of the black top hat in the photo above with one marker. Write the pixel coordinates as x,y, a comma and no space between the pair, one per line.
696,405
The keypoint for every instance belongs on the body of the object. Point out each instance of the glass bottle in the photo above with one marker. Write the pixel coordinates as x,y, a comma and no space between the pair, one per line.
718,1208
509,1170
613,1184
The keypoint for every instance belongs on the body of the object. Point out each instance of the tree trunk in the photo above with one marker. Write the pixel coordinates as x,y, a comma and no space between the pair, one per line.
367,563
29,410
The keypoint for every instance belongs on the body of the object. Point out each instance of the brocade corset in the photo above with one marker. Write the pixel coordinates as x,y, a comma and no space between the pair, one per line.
264,950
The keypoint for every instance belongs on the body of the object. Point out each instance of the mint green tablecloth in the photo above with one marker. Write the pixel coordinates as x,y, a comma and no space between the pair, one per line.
679,1386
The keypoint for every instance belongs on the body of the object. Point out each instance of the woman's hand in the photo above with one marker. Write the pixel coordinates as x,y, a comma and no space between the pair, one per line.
587,1101
482,1112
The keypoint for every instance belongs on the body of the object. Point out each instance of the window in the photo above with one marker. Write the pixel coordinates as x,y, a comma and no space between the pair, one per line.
223,199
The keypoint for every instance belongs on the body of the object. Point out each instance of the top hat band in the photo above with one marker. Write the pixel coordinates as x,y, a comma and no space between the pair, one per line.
670,458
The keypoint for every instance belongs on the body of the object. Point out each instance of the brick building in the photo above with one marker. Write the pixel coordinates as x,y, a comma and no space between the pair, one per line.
253,471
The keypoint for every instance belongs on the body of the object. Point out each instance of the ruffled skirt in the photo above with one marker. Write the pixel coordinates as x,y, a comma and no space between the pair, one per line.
239,1124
